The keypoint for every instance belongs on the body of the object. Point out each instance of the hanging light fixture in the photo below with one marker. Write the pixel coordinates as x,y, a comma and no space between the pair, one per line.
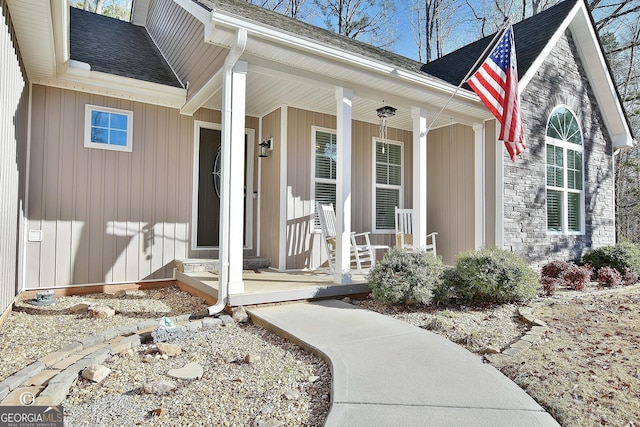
384,113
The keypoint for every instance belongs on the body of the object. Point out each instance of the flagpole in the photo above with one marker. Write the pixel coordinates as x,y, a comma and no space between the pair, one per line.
480,58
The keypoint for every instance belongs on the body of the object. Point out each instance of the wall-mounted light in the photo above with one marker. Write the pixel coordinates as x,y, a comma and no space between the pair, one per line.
264,147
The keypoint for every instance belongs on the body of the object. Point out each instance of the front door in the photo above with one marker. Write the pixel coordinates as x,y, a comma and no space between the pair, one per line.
209,163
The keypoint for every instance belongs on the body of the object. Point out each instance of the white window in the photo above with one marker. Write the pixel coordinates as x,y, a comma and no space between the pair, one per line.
565,178
387,184
108,128
324,166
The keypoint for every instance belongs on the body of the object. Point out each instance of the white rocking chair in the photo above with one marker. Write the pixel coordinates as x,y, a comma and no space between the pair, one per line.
404,232
361,250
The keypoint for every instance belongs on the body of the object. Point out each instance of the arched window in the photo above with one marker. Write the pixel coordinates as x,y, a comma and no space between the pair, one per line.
565,178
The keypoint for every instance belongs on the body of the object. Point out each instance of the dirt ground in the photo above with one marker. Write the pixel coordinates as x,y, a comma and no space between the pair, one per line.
586,370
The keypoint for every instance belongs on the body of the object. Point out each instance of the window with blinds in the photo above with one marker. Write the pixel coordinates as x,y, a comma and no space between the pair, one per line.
324,160
388,184
565,180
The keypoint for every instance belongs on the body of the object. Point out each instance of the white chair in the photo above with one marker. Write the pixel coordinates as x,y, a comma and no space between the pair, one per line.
404,232
361,250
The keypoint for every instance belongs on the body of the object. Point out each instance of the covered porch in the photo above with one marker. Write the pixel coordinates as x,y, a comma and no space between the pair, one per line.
265,285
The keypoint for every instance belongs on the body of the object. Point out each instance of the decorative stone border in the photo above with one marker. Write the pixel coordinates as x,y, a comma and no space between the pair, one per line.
50,377
534,334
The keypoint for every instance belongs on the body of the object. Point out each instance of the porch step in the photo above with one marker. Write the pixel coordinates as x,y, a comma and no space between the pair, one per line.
193,265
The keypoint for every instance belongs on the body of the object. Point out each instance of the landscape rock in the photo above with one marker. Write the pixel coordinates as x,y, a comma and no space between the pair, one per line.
127,353
240,314
169,349
190,371
130,293
489,350
102,311
313,378
96,373
79,308
251,358
292,394
160,388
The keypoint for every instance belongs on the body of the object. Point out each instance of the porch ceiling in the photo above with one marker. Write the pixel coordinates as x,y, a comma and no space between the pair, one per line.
285,74
269,88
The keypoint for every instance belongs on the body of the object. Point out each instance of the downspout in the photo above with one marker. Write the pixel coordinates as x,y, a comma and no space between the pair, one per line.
223,282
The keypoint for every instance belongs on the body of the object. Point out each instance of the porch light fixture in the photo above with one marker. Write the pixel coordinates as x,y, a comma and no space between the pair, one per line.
384,113
264,147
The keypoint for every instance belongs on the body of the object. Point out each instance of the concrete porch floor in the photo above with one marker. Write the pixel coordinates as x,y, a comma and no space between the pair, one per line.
270,286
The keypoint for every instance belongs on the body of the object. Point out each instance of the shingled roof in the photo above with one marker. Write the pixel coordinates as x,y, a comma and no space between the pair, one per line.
530,35
117,47
252,13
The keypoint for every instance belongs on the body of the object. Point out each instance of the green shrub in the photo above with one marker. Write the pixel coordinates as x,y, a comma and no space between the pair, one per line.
624,257
445,292
493,275
403,277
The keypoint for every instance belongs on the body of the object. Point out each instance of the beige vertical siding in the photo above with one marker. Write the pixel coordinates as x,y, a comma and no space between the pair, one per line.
180,37
450,189
270,190
13,137
109,216
304,248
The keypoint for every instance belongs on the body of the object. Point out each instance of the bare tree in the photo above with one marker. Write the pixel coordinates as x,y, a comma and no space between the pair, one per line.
357,19
432,21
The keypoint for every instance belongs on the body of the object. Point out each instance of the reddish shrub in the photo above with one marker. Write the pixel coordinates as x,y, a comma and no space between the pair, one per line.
549,285
554,269
577,277
609,277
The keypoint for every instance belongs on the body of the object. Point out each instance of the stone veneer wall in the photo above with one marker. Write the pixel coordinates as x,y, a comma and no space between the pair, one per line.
561,80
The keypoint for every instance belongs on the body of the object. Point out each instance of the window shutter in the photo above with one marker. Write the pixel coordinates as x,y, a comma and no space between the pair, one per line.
554,166
325,174
573,212
574,170
386,201
554,210
388,175
326,155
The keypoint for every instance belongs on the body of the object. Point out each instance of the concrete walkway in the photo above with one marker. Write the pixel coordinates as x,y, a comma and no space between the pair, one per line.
389,373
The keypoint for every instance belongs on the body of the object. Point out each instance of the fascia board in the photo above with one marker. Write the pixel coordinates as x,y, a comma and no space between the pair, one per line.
278,37
60,21
118,87
579,23
533,69
603,85
201,14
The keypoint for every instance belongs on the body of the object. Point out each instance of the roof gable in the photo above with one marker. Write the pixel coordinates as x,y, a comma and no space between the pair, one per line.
116,47
535,37
531,37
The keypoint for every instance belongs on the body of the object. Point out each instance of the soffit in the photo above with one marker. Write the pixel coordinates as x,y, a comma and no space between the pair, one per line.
34,30
281,75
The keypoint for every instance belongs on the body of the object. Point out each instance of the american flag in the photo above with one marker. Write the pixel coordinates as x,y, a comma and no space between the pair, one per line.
496,83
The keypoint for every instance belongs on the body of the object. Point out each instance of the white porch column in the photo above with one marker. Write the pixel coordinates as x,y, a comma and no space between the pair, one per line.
499,188
479,187
419,176
236,177
342,273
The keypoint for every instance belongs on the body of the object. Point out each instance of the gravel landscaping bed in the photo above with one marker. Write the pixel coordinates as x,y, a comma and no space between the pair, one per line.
251,377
